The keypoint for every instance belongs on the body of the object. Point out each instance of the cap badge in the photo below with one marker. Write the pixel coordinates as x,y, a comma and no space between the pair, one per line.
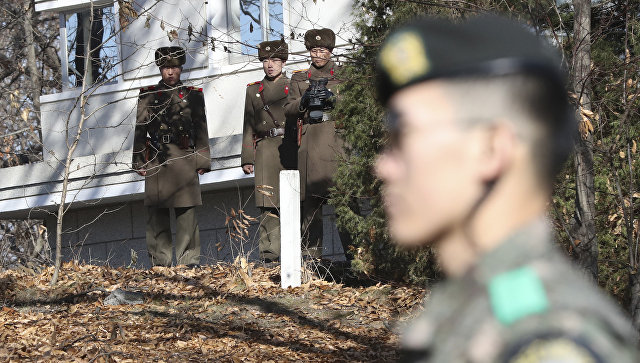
404,58
318,37
267,48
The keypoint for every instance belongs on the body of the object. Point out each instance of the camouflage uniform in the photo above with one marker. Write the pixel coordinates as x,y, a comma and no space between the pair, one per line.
522,302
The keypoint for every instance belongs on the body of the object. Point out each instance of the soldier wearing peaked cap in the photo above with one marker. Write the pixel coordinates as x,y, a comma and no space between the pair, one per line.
171,148
320,145
262,144
479,124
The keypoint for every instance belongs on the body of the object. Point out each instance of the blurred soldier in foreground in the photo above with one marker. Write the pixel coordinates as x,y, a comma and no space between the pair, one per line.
479,126
171,147
312,97
264,128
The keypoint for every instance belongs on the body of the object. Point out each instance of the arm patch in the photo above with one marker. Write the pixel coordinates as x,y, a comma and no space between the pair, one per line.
552,349
517,294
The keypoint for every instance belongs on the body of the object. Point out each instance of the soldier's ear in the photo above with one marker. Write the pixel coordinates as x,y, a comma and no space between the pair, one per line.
497,152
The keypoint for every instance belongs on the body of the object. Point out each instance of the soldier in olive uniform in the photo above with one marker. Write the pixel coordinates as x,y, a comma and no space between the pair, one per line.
171,148
479,126
320,146
264,129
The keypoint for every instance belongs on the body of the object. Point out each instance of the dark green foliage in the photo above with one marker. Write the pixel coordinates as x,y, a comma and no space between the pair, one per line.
356,195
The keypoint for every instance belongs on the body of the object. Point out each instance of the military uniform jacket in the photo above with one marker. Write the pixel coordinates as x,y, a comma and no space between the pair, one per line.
258,148
321,146
523,302
171,161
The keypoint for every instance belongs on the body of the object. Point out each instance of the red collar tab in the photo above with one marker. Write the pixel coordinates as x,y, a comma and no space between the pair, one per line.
309,74
181,95
261,88
286,90
331,72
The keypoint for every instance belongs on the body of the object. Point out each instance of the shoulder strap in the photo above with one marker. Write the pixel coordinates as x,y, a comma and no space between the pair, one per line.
266,107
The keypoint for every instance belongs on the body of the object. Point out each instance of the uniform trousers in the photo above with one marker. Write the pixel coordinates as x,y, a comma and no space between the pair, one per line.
269,234
159,236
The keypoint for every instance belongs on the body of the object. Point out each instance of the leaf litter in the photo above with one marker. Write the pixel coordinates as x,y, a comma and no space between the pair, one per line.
225,312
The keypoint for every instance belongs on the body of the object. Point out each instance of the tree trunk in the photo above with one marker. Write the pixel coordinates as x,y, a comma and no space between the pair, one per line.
67,164
34,73
630,219
586,250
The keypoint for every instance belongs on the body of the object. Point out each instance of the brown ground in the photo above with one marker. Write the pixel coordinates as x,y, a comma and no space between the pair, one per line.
215,313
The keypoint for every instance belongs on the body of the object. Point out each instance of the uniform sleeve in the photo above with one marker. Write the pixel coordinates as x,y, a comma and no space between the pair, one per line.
201,133
140,133
248,152
292,106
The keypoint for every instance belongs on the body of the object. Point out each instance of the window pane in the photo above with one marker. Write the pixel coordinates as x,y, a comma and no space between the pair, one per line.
251,23
251,32
95,37
276,20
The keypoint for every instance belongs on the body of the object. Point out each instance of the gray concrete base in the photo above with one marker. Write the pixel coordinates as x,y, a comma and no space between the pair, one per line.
107,234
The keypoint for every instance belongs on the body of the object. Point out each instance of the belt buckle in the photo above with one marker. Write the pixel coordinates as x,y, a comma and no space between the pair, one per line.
272,132
166,139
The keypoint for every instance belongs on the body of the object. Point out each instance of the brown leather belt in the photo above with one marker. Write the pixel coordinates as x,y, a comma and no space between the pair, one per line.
274,132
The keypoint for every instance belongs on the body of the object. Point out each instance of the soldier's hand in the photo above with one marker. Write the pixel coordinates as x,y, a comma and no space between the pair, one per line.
201,171
304,100
141,172
247,168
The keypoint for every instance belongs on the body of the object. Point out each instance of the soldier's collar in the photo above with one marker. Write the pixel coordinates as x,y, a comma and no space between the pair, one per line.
528,242
330,65
166,86
273,79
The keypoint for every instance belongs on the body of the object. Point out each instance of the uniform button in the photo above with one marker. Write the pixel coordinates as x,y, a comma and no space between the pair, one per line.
264,122
182,113
156,101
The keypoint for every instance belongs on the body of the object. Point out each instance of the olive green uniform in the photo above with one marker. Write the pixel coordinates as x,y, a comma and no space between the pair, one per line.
262,145
321,148
171,143
522,302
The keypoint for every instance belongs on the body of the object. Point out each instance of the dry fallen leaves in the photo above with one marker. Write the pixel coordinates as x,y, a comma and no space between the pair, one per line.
194,315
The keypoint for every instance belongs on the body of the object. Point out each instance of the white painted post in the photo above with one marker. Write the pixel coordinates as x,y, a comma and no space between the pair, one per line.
290,252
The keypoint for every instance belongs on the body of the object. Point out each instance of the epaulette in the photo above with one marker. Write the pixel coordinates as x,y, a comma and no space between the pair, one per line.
252,83
149,88
191,88
300,70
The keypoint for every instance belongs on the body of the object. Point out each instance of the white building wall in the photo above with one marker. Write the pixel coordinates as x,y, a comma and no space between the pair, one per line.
106,217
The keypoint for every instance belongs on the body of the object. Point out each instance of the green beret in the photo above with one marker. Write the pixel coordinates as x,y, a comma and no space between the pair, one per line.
170,56
487,45
316,38
273,49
